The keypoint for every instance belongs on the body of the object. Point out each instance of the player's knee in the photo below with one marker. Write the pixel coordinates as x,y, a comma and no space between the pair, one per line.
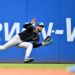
30,45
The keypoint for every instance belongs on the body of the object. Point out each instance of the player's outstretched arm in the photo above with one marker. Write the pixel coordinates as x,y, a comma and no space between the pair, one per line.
28,25
33,21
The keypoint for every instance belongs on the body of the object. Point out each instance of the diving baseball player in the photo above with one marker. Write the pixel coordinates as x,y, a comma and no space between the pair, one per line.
24,39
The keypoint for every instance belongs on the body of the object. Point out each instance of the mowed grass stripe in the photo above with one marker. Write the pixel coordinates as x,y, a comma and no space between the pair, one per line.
7,65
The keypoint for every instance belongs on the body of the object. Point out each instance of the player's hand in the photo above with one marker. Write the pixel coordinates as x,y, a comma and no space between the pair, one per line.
33,20
43,43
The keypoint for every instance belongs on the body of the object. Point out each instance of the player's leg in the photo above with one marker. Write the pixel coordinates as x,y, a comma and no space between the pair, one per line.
14,41
29,47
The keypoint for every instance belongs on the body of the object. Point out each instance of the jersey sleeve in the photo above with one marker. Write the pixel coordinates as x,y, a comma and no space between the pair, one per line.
35,44
28,26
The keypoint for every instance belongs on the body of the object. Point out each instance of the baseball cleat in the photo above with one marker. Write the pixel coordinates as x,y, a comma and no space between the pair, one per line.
28,60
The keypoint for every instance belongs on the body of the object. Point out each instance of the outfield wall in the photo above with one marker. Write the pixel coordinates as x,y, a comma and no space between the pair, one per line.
59,19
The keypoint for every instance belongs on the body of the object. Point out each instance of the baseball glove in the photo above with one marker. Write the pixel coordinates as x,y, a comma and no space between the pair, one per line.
48,40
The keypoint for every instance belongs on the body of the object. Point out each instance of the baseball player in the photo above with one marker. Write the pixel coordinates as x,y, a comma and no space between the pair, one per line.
24,39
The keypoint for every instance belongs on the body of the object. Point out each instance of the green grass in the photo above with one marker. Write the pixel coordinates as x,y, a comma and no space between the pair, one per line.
7,65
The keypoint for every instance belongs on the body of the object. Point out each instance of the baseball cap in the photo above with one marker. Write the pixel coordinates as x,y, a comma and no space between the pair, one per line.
41,24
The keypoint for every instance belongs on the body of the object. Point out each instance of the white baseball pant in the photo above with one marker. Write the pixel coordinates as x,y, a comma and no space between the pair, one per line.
18,42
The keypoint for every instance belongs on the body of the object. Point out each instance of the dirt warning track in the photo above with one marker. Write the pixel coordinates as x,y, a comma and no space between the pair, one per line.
33,71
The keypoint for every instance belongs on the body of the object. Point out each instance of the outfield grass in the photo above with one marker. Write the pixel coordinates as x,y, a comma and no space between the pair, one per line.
7,65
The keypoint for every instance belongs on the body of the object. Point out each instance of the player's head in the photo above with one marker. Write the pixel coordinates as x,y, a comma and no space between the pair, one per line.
40,27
